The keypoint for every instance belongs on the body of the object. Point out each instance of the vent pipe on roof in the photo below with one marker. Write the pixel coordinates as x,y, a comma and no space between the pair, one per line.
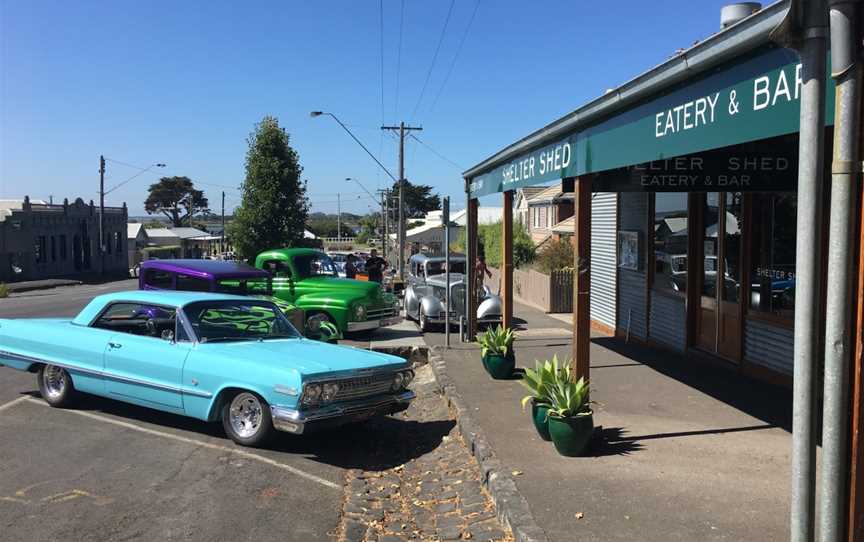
733,13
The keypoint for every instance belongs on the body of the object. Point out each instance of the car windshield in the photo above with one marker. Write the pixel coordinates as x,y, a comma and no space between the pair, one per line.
238,321
439,268
314,265
244,287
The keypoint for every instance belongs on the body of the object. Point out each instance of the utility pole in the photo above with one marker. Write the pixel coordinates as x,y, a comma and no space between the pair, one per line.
101,214
402,128
222,241
385,216
338,218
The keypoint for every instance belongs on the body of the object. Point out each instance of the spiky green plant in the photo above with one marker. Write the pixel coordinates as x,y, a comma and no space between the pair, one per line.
567,397
539,382
496,341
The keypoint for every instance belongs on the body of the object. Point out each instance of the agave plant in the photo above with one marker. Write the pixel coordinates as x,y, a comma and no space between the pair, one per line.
568,398
496,341
539,382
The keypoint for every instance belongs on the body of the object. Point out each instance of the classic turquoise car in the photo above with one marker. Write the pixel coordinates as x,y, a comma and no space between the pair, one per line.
184,352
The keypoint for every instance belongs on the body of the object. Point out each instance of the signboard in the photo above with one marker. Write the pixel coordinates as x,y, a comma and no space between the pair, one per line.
767,166
629,249
751,98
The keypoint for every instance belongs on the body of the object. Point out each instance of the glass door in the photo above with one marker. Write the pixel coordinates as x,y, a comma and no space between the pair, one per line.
719,315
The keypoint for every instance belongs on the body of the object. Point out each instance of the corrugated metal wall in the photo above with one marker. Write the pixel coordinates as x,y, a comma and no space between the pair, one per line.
632,209
668,321
604,207
768,345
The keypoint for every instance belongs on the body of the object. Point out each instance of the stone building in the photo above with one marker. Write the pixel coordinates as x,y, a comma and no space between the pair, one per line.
41,240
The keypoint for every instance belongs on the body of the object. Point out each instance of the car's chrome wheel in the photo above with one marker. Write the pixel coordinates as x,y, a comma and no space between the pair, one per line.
245,415
56,386
54,381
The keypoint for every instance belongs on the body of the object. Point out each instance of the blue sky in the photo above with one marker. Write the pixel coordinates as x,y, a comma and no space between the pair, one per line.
184,82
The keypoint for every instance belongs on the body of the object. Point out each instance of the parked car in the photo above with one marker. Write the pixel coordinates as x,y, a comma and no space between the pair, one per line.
308,278
230,278
425,293
214,357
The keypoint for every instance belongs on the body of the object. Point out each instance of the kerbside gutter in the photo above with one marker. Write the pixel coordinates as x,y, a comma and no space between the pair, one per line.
744,36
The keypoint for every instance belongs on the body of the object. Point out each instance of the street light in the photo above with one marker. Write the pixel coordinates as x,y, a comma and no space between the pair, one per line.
349,179
314,114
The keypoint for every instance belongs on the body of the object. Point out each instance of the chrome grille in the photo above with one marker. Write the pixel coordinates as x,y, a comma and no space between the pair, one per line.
364,386
382,312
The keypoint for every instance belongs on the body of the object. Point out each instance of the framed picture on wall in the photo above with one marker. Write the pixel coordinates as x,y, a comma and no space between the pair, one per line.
629,249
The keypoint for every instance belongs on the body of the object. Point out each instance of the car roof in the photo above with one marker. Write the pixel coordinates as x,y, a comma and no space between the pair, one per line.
207,268
171,298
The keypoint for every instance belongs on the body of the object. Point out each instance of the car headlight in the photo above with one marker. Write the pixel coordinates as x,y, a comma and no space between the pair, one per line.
313,325
329,391
398,382
311,394
359,312
407,378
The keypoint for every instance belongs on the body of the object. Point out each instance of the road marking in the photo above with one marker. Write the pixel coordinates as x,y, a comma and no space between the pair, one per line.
178,438
14,402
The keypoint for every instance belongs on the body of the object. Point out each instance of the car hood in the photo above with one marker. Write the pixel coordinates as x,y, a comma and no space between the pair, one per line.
306,356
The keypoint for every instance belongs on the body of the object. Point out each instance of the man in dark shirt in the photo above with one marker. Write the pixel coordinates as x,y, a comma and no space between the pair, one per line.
375,267
350,267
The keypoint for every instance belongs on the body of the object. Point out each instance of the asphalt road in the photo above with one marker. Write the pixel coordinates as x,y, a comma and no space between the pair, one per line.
106,470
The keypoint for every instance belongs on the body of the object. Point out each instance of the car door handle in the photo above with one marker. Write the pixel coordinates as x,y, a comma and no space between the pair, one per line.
114,345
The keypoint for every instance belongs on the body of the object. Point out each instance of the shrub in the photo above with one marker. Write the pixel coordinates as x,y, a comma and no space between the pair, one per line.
4,290
496,341
555,255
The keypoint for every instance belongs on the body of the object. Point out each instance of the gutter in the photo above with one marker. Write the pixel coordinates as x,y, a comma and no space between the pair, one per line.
741,37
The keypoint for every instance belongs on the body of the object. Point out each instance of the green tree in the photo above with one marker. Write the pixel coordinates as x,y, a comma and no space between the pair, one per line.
176,198
368,228
491,244
418,198
274,207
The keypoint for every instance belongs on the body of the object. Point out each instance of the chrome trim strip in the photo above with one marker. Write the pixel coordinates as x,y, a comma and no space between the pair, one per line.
110,376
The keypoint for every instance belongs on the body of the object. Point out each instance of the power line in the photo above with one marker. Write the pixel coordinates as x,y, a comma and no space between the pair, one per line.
458,50
399,60
438,154
434,58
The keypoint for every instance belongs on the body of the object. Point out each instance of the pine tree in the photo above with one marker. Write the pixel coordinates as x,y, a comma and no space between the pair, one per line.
274,208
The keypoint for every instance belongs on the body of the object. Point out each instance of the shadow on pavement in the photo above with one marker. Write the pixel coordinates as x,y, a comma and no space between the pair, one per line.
378,444
769,403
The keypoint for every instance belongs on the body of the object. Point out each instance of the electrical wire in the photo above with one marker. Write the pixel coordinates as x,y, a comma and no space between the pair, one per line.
438,154
434,58
456,56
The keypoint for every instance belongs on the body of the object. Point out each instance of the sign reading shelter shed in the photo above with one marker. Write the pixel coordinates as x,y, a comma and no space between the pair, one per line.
749,99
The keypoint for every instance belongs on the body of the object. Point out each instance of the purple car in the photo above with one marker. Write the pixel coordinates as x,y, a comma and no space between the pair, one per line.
214,276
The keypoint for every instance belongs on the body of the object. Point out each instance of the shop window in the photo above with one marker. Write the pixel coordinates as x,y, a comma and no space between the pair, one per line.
670,242
63,248
118,241
772,261
39,249
53,249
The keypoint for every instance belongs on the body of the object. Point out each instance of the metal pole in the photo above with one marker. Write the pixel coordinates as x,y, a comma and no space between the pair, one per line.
338,218
386,221
222,240
446,220
845,168
101,214
807,267
401,258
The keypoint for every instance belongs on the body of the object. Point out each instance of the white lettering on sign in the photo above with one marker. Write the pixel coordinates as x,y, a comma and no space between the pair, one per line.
547,161
686,116
767,92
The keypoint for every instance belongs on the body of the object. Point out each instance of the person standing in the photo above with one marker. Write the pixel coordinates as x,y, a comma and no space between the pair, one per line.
350,267
375,266
480,268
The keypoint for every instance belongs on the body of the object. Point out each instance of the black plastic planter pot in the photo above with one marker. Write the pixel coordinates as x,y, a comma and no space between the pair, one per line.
541,424
571,436
499,367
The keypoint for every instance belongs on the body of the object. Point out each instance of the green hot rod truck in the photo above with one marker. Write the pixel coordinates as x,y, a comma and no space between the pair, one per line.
308,278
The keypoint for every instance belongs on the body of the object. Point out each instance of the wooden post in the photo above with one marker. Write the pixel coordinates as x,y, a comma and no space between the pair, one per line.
582,277
507,261
856,457
471,238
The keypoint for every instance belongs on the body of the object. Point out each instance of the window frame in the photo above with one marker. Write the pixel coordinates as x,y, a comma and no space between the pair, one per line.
179,320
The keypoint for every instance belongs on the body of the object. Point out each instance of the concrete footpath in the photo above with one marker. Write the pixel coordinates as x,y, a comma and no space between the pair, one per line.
685,450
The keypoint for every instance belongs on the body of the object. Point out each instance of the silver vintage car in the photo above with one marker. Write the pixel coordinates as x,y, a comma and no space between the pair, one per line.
425,299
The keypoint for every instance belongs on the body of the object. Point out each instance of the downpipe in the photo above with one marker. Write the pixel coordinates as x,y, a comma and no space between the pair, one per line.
845,169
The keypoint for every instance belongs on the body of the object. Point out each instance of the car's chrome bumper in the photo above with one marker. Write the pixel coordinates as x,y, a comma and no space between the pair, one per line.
296,421
454,319
374,324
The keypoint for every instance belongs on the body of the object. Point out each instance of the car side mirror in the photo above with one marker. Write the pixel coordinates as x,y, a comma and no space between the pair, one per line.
167,335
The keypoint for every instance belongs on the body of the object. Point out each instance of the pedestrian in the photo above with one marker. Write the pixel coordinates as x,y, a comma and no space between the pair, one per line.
350,267
480,268
375,266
